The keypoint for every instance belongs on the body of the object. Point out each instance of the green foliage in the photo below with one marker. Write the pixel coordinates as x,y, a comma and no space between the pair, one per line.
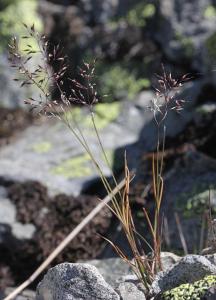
79,166
43,147
5,3
193,291
186,43
74,167
197,203
117,82
194,203
210,12
139,14
13,15
104,113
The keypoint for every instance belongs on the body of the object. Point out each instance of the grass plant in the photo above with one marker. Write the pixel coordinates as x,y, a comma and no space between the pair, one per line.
83,92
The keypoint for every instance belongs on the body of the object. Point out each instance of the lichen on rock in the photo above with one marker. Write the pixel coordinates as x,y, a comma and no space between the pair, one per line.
104,114
192,291
210,12
197,201
120,81
73,167
138,15
186,43
43,147
10,21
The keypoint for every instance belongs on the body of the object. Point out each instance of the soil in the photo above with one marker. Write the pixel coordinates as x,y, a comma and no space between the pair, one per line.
12,122
53,218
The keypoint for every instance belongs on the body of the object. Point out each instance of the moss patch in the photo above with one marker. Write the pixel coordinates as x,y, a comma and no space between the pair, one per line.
73,114
195,202
210,12
75,167
104,114
12,17
186,43
118,82
205,109
43,147
137,16
193,291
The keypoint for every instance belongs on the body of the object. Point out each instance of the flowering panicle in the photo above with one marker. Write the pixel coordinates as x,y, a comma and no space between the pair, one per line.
166,95
82,91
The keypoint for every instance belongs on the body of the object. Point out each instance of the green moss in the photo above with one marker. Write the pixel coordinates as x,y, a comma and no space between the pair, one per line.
74,114
12,17
104,114
193,291
41,148
205,109
75,167
194,203
186,43
211,46
197,203
117,82
210,12
5,3
79,166
139,14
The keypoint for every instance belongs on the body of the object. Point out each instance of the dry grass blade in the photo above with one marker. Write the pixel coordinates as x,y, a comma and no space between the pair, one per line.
202,231
122,210
149,223
181,234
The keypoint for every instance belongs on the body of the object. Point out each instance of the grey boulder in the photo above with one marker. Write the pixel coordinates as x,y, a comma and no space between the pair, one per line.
74,282
189,196
130,291
188,270
113,269
10,228
186,31
12,96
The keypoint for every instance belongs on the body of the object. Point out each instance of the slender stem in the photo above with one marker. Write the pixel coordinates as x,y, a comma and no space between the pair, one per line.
103,150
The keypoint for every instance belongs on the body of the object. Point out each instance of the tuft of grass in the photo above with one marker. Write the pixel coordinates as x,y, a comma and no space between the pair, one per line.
83,92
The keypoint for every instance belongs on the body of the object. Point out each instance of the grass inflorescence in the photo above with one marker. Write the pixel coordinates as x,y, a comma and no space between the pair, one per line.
83,92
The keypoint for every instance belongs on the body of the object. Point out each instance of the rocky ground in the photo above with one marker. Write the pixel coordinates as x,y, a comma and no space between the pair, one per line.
190,277
47,182
32,210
